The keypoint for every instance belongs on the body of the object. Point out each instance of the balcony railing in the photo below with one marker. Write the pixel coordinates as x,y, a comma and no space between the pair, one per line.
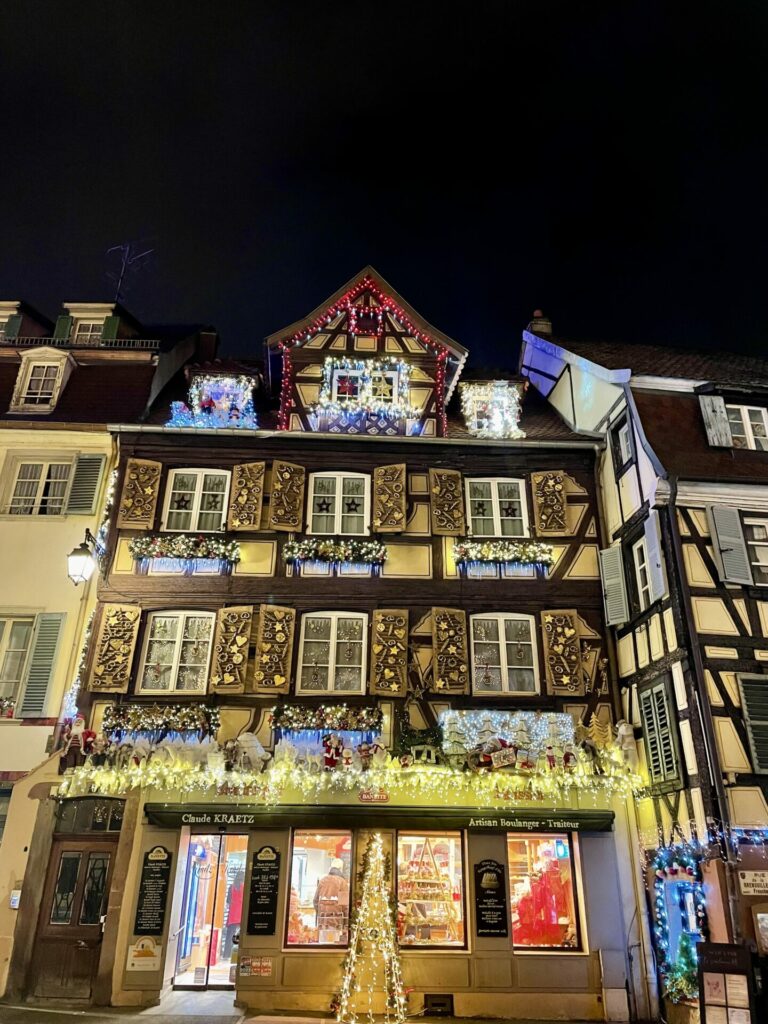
140,344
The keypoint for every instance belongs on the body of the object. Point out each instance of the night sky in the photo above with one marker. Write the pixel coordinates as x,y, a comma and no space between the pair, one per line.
605,161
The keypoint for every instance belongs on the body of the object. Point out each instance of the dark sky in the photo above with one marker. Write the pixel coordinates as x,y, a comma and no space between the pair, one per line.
606,161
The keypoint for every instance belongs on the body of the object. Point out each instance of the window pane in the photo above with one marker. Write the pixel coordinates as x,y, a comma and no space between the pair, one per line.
324,505
25,491
64,893
541,891
161,649
487,654
95,889
195,650
346,385
757,423
738,434
318,909
353,505
181,505
430,892
349,654
54,489
15,635
519,650
510,509
212,502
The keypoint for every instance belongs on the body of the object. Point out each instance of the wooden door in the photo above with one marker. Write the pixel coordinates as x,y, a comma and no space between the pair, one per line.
69,932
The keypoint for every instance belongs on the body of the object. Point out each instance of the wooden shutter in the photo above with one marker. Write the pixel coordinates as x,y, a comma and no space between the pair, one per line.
85,484
63,327
450,652
230,649
754,706
716,421
657,734
389,499
389,652
656,575
286,503
614,586
446,498
246,496
274,649
114,648
138,500
42,658
12,327
562,652
110,327
730,546
550,504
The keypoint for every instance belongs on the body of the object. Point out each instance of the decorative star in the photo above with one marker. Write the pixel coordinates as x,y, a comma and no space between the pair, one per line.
181,503
509,511
353,505
480,508
324,505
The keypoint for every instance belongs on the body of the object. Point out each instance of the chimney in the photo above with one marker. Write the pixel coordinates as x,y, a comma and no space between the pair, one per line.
540,324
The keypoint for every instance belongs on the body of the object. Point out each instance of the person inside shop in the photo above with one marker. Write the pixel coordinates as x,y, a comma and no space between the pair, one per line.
331,901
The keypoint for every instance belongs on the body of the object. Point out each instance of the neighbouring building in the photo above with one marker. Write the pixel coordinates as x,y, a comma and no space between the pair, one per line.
375,607
684,484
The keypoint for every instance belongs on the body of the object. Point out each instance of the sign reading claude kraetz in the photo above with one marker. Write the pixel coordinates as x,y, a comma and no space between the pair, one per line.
153,892
265,879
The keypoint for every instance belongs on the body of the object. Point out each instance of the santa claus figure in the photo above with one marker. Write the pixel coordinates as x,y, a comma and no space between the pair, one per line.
332,747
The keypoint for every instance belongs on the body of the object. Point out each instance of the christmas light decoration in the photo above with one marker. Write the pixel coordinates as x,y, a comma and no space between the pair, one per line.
216,401
335,549
543,727
522,552
372,963
679,863
333,717
69,704
160,720
492,408
184,547
102,534
364,387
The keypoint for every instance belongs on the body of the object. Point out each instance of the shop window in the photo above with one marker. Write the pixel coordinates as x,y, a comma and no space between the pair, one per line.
430,890
541,891
332,655
89,814
319,900
340,503
177,652
497,508
196,500
504,654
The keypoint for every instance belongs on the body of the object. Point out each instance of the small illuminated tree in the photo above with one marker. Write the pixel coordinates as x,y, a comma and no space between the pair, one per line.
372,963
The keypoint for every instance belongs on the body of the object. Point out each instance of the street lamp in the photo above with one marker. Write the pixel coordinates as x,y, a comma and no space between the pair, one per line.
81,561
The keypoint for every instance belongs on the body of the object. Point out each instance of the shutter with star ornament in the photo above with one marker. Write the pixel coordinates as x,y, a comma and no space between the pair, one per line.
246,496
562,652
286,503
274,649
389,652
138,498
450,668
114,648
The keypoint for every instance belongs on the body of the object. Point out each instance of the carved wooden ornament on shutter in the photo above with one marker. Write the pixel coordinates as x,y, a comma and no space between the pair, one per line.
274,649
562,652
550,503
389,652
114,648
447,502
389,498
138,500
450,671
287,498
230,649
246,496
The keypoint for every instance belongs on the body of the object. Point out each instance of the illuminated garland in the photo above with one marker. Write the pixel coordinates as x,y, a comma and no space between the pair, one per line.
69,704
202,719
334,549
102,534
681,862
294,717
365,401
524,552
491,409
183,546
202,411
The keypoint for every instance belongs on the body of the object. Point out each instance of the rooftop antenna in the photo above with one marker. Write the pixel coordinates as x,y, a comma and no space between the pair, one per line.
133,257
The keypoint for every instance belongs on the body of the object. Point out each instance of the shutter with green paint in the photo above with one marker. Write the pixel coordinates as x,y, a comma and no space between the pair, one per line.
86,478
12,327
730,547
656,576
754,704
614,586
657,734
42,658
63,327
109,330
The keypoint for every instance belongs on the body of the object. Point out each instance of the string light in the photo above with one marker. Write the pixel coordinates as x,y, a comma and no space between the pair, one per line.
336,550
466,551
367,375
183,546
158,720
69,704
216,400
492,408
334,717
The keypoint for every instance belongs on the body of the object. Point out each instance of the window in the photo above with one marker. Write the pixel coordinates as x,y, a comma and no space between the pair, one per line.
504,654
347,385
318,905
756,535
333,653
658,737
177,652
40,489
754,703
497,508
40,384
680,899
340,503
196,500
15,638
621,442
541,892
749,426
88,333
430,890
640,556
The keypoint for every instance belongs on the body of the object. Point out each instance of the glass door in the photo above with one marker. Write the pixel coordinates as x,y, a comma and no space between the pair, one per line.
209,929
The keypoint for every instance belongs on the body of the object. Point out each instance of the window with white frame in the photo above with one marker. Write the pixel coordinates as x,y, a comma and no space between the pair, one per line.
749,426
504,658
40,384
497,507
89,333
340,503
15,638
756,536
196,499
332,655
347,383
642,576
40,488
177,652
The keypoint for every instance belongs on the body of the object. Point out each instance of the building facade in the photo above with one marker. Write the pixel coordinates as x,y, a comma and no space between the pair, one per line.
357,613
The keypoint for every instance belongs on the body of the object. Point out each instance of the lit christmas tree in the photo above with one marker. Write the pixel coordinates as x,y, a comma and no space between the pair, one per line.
373,961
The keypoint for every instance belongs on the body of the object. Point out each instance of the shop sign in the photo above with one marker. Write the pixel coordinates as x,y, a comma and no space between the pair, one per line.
544,823
373,795
144,955
490,899
724,984
153,892
753,883
265,880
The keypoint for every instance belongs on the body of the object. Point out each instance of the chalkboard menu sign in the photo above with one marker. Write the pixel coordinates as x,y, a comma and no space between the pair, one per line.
265,878
153,892
490,899
725,984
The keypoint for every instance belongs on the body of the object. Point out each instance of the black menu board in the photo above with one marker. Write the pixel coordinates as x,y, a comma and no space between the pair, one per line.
265,879
153,892
490,899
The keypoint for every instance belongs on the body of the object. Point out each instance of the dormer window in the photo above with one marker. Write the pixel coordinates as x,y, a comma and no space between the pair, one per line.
347,386
40,380
749,426
217,400
89,332
41,384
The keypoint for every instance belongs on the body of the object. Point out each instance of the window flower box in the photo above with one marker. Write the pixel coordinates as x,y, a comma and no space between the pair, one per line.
336,551
185,554
501,552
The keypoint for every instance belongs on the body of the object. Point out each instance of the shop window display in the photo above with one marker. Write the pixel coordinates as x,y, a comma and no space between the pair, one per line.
430,890
318,910
542,892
